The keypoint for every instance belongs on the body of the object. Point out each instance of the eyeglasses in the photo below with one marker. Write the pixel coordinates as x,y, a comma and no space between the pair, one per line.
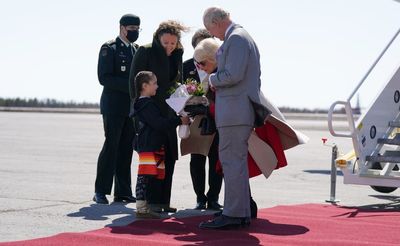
202,63
135,28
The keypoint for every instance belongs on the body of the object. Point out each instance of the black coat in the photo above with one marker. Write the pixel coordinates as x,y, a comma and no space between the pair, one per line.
151,126
152,57
115,60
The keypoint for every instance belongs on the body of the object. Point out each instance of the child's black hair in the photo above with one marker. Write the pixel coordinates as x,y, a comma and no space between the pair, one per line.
143,77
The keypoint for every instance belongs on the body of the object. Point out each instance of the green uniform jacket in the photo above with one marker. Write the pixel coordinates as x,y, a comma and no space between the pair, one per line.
152,57
115,60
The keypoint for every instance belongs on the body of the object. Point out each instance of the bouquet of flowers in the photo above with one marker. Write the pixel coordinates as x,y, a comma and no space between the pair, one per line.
188,93
194,88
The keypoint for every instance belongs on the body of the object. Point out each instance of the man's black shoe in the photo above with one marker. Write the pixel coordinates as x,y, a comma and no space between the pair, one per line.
125,199
200,205
225,222
169,209
100,198
214,205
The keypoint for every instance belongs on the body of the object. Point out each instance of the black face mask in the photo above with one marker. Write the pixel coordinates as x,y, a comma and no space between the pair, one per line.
132,36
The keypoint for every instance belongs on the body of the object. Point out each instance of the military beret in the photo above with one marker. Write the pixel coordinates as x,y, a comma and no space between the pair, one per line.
129,19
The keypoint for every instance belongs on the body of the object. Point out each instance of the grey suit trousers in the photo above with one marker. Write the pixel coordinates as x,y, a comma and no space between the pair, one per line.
233,148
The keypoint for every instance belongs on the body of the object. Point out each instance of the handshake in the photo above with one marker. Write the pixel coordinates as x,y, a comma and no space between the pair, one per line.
207,124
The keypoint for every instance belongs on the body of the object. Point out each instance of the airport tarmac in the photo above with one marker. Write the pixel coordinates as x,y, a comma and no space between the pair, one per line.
48,167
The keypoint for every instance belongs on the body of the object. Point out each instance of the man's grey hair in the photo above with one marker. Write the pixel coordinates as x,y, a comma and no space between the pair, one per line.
214,15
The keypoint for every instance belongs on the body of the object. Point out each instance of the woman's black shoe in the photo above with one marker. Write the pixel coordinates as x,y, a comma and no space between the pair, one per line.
219,213
125,199
214,205
100,198
169,209
253,208
200,206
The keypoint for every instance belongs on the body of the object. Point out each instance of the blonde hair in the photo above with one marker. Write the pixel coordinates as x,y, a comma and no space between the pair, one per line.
206,50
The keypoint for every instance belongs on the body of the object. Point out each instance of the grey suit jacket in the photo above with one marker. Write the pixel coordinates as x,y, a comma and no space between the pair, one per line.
238,81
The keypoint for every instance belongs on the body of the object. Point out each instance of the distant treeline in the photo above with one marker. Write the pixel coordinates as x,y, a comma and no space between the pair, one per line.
303,110
44,103
53,103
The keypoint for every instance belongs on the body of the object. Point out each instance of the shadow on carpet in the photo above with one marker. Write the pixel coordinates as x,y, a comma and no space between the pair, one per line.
307,224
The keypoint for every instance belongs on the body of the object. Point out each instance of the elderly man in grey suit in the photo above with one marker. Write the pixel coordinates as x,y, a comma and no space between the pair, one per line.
237,87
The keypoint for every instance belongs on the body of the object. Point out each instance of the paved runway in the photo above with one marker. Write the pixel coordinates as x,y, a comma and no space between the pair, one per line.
48,166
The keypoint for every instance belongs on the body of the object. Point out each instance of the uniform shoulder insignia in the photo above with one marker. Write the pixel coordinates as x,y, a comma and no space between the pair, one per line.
188,62
104,52
110,42
107,46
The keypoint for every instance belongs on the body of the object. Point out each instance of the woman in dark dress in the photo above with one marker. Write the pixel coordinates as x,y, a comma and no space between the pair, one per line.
164,58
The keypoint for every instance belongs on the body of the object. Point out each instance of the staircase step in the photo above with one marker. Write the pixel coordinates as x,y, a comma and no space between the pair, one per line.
391,153
381,158
394,123
392,141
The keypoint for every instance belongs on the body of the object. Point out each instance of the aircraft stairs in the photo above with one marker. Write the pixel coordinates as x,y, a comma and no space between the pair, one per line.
375,160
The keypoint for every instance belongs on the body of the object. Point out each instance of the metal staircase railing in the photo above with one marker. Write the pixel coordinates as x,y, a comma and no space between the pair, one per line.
348,109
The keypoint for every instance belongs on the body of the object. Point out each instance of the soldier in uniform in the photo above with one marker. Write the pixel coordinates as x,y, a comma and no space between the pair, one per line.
114,162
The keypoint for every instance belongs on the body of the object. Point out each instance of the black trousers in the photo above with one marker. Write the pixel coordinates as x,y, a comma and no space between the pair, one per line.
198,174
116,156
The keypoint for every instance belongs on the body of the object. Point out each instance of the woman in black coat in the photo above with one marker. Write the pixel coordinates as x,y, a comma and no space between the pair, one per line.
164,58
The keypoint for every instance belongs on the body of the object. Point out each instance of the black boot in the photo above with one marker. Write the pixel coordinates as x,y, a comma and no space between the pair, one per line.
253,208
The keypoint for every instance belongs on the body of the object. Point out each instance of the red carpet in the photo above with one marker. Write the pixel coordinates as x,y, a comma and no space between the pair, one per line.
308,224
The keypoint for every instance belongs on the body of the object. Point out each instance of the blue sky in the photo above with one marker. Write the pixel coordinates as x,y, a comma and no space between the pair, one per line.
312,52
